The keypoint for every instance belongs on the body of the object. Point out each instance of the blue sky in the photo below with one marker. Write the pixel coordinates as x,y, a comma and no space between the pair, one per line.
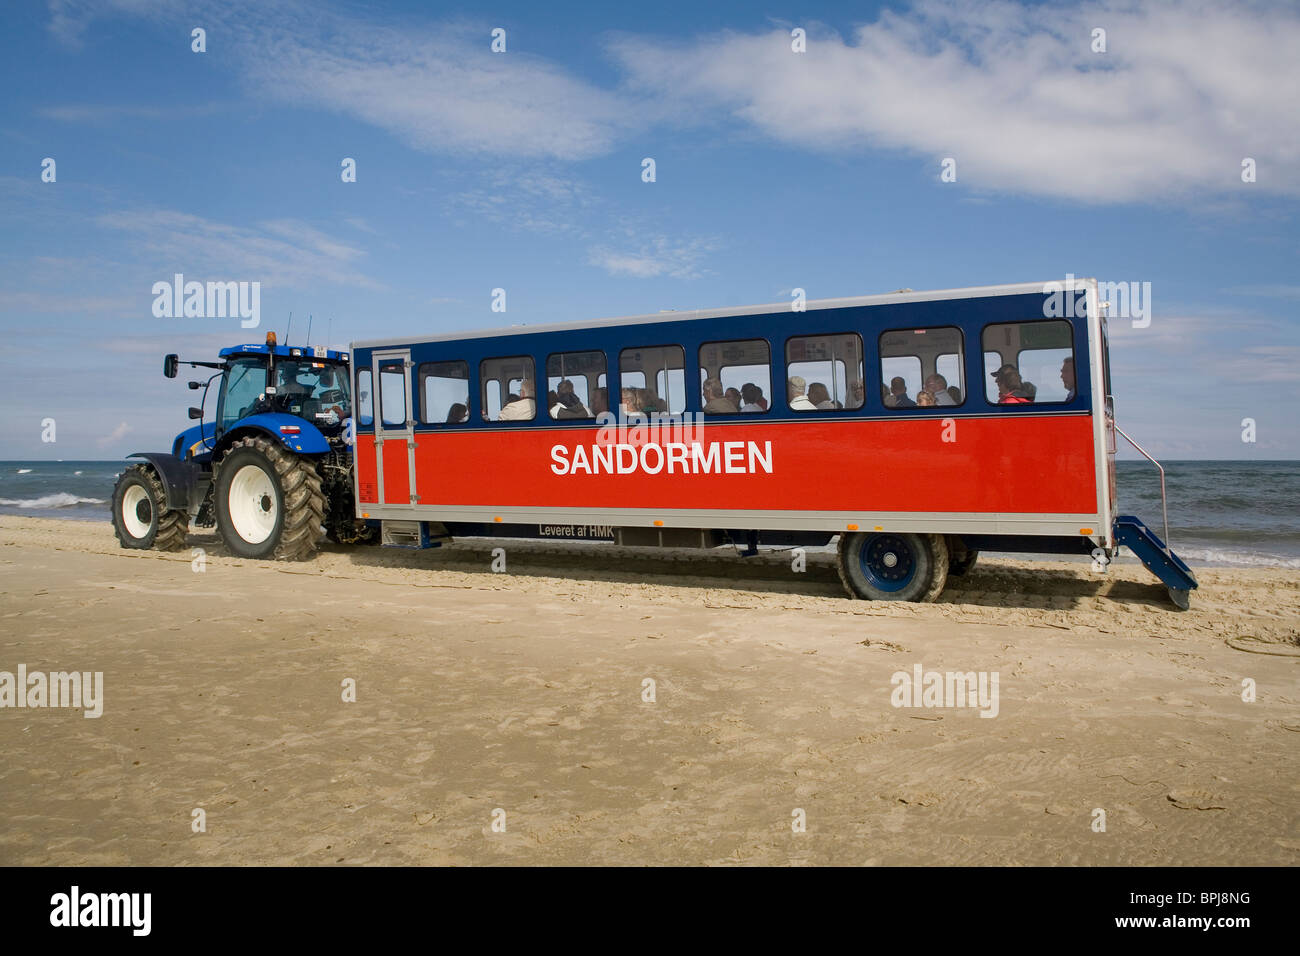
522,170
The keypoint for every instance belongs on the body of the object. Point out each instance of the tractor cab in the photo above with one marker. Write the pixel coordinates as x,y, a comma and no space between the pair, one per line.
307,383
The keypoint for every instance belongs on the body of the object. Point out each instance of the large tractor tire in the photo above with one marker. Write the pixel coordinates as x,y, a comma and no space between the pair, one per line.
140,516
269,501
893,566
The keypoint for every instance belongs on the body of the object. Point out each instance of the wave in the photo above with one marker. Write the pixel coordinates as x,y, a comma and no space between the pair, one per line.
1236,558
58,500
24,471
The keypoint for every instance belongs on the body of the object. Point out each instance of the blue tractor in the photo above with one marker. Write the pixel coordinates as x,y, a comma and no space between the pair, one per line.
273,472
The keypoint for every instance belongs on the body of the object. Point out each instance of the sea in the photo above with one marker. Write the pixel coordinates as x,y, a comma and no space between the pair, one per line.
1221,513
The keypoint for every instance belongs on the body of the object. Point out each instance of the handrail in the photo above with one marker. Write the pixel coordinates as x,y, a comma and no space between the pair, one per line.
1164,504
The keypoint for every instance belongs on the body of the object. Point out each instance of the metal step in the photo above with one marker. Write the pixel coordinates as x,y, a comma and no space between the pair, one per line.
1159,560
413,534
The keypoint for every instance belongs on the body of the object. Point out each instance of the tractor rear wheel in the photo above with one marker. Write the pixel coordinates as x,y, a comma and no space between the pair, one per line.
893,566
140,516
269,501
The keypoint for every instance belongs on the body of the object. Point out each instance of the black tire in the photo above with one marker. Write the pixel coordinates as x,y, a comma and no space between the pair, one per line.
280,512
146,522
918,571
960,558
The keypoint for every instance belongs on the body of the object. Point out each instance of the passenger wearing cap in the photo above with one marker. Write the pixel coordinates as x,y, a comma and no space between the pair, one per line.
1011,390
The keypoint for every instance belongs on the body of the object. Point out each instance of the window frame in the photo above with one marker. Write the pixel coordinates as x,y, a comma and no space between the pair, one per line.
421,375
993,401
703,375
686,395
961,364
483,381
587,404
862,369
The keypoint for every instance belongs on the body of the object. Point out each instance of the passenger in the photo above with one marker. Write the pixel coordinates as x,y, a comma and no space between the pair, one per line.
523,408
857,394
715,403
751,396
955,394
925,400
733,396
1010,387
650,402
457,413
552,398
818,395
886,399
631,404
795,392
570,406
937,386
1067,378
898,389
599,401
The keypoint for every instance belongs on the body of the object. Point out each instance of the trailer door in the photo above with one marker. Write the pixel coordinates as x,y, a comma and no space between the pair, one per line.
394,428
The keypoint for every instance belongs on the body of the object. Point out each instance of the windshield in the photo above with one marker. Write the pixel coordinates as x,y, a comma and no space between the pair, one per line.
309,388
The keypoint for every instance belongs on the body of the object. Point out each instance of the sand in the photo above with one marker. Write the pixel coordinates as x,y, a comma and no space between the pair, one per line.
522,692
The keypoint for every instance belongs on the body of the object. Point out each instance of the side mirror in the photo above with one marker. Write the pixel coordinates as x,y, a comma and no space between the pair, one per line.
170,364
194,385
196,413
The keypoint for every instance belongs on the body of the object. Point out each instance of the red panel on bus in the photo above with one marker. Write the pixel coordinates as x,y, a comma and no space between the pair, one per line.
1027,465
397,472
367,477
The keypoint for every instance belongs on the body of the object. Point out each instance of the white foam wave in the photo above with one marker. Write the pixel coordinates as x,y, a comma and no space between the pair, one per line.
1236,558
57,500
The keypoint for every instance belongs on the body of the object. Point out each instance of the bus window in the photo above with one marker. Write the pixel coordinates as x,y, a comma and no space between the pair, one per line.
665,366
735,376
918,367
365,407
1023,361
825,371
444,392
508,389
392,393
575,384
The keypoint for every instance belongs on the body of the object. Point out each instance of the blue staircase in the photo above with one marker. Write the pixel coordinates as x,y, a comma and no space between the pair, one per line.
1159,560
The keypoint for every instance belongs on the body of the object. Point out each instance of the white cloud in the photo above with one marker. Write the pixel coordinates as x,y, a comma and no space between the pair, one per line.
656,257
277,252
1015,94
117,434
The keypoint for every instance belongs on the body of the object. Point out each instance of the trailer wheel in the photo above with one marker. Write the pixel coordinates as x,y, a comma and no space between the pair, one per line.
140,516
960,558
269,502
893,566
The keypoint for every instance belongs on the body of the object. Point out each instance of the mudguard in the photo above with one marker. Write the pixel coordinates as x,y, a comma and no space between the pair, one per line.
305,439
180,479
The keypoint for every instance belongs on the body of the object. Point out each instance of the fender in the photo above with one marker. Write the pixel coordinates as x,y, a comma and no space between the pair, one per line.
306,439
184,482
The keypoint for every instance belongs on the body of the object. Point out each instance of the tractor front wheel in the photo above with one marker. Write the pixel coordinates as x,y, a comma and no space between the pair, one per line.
140,516
269,501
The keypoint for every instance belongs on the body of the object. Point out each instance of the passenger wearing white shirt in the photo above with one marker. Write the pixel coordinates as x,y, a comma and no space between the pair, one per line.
524,410
798,400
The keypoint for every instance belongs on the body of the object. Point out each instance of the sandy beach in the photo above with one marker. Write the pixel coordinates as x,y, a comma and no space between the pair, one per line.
523,692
